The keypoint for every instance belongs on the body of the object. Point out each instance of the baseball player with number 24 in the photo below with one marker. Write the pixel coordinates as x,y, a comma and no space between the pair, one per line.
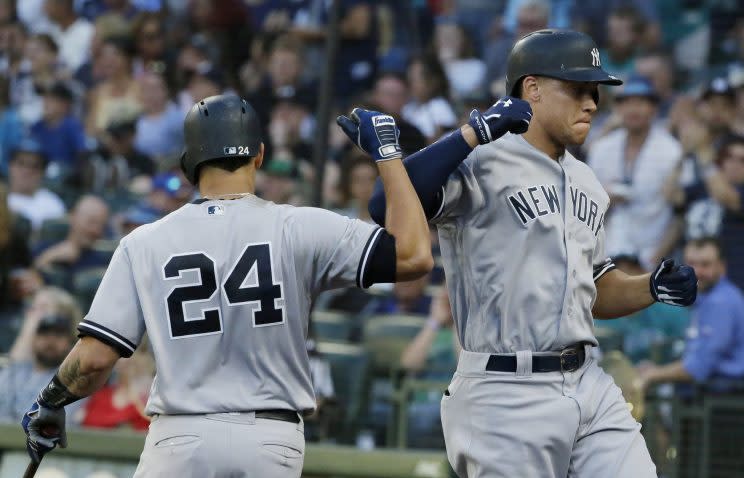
224,287
520,227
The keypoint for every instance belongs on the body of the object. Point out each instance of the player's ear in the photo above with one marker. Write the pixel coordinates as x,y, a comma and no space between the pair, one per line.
258,160
531,89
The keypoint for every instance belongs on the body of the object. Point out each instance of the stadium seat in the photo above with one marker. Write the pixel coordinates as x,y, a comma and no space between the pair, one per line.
85,284
348,368
386,336
332,326
53,230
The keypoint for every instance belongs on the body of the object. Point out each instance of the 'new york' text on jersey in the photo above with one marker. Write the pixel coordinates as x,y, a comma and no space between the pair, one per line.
522,244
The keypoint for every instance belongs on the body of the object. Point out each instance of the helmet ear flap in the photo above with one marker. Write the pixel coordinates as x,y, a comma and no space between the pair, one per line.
183,167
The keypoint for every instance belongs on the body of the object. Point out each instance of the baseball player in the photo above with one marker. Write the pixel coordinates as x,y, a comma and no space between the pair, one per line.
223,286
520,226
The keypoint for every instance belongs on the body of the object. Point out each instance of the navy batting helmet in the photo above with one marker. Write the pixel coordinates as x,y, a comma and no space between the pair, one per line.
222,126
563,54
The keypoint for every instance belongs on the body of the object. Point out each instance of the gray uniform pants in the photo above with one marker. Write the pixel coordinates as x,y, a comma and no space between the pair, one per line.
222,445
540,425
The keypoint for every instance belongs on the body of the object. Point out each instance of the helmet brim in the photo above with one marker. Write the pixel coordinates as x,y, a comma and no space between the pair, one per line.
592,75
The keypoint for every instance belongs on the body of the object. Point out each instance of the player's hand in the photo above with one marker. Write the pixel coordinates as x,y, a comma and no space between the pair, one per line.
509,114
45,429
374,132
674,284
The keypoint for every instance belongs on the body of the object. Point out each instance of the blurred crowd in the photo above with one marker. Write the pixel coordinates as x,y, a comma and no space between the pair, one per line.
93,94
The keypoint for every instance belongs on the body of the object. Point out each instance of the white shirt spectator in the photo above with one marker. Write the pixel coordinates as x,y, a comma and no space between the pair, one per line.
430,116
636,226
43,205
74,43
465,76
31,13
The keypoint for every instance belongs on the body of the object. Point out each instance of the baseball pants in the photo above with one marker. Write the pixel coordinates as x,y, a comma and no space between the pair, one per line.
222,445
540,425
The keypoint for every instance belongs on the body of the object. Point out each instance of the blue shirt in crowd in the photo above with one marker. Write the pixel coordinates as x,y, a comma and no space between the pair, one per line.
11,132
62,143
715,338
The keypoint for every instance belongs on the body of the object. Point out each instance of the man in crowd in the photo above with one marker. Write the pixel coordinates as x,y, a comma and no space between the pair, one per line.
21,381
27,197
714,351
632,163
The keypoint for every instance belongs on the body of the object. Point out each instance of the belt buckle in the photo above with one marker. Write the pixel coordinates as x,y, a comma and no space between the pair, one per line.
569,360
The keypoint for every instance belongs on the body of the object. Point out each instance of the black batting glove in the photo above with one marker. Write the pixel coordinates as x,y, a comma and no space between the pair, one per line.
509,114
674,284
45,429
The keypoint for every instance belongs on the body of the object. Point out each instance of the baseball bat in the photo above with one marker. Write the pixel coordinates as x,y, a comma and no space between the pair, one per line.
31,469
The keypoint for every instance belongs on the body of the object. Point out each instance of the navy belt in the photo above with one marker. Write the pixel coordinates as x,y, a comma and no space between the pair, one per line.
278,414
568,360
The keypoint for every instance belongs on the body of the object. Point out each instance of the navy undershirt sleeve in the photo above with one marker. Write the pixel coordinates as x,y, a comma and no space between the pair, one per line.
428,170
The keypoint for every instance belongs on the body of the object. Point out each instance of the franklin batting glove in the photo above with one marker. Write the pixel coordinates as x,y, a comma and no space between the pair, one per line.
674,284
375,133
508,114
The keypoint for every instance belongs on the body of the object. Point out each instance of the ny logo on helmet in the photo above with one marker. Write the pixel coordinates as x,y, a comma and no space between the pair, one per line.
595,57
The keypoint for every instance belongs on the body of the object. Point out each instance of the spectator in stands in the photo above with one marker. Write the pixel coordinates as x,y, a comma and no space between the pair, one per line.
356,61
27,197
12,43
466,73
39,71
207,81
625,29
16,282
108,25
633,163
11,127
390,94
60,133
358,177
121,402
31,13
88,220
717,108
72,33
429,110
431,355
283,79
150,39
21,381
653,327
278,182
46,302
714,351
116,161
532,15
408,298
160,127
118,95
658,67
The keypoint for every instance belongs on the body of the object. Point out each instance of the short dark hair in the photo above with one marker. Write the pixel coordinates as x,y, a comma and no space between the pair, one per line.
726,143
230,164
708,241
629,12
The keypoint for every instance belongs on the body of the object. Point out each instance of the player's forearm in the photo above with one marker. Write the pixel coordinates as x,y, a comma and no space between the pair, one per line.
87,367
405,220
619,295
428,170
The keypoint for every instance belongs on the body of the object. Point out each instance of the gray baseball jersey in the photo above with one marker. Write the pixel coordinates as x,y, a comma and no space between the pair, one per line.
522,243
224,289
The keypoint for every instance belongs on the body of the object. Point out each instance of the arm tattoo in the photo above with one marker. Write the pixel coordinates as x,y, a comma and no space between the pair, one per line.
70,375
